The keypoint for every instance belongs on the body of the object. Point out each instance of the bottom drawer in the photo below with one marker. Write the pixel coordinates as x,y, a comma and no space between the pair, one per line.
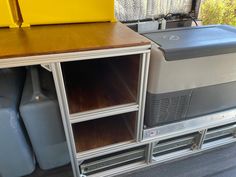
173,145
220,133
114,160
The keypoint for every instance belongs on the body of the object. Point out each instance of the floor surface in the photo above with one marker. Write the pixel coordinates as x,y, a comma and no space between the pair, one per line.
220,162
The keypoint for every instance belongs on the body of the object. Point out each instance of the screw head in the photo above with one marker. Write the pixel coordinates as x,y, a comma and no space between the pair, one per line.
37,98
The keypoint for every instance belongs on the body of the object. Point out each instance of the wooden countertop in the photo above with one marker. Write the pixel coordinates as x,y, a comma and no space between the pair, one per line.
54,39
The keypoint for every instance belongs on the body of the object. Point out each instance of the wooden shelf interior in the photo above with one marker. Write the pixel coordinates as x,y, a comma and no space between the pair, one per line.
100,83
104,132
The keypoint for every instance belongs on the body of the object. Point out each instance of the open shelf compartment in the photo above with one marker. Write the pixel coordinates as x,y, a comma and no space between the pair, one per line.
104,132
100,83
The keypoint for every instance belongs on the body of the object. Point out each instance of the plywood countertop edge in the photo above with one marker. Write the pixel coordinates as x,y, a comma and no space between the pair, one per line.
72,51
72,56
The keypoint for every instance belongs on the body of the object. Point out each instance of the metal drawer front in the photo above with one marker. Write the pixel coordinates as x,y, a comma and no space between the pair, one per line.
113,160
220,133
173,145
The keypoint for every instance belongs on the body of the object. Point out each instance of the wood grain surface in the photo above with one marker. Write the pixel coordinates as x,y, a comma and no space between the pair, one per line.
103,132
95,84
52,39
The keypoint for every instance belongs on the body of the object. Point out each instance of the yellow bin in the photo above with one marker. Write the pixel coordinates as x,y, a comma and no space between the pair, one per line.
37,12
8,13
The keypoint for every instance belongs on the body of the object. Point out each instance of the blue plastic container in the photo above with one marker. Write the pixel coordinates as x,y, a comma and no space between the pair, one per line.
41,115
16,157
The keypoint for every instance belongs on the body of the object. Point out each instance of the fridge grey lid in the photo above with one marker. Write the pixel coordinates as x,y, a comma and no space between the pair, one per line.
193,42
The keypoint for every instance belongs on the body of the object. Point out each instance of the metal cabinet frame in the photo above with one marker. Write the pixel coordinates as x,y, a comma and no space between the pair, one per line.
68,119
53,64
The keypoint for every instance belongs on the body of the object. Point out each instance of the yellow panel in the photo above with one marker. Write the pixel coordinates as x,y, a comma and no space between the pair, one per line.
35,12
8,14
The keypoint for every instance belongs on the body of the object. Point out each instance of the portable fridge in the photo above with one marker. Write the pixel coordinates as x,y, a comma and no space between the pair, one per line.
41,115
16,157
192,73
